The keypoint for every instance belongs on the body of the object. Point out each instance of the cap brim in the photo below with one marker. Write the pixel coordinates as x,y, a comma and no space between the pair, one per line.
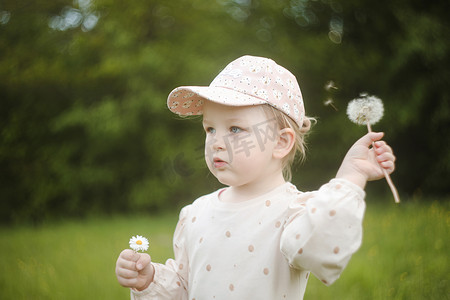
188,100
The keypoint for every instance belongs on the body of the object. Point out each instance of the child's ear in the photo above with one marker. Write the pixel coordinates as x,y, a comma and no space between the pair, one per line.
286,140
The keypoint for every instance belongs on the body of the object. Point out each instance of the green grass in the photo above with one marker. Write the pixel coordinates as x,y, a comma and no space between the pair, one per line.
75,260
404,256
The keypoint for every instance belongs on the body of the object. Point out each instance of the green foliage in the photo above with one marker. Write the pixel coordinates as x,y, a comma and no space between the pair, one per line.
83,122
403,256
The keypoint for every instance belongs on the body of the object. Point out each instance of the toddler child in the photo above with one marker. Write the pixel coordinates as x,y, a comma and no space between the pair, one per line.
258,238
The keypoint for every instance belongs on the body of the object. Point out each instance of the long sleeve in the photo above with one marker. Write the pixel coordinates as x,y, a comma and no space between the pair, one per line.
324,229
170,279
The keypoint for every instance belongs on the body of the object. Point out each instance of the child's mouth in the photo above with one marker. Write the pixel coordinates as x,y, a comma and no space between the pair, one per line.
218,163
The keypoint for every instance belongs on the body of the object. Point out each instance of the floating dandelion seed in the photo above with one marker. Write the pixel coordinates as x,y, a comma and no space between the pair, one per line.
330,102
330,85
139,243
368,110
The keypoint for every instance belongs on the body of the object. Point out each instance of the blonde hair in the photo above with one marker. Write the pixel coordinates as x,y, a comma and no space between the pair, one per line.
284,121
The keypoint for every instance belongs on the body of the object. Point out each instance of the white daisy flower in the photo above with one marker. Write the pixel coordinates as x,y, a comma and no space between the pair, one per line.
365,110
268,68
225,81
286,108
139,243
296,111
188,95
290,95
262,94
246,80
277,94
265,80
244,62
187,104
255,68
290,83
279,81
235,73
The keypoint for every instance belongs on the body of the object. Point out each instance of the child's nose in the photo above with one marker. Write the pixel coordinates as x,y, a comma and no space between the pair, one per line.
219,144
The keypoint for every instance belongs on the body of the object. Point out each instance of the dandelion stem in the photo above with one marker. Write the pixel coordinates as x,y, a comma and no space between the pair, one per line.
386,174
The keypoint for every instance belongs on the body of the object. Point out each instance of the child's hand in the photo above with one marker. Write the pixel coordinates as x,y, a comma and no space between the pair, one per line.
134,270
362,164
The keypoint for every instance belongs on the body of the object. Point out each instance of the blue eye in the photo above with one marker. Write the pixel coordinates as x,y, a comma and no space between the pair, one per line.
210,130
235,129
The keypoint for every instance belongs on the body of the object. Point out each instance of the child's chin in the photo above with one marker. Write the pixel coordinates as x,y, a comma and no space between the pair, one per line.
223,180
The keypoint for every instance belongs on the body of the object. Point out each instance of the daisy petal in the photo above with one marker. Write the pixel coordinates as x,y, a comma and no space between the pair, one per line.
139,243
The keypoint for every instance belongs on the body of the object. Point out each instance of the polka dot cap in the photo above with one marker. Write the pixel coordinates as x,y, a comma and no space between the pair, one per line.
248,80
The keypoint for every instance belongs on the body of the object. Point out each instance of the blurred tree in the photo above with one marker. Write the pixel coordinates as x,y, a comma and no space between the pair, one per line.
84,124
402,47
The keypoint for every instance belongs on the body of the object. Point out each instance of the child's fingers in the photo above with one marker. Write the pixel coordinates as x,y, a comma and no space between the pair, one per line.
389,166
132,268
129,254
381,146
127,260
128,282
385,156
126,273
143,261
126,264
131,260
369,138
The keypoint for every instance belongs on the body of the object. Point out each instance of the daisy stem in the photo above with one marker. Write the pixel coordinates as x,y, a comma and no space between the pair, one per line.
386,174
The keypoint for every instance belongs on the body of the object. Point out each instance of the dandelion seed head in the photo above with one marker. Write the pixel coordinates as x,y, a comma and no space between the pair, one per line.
365,110
139,243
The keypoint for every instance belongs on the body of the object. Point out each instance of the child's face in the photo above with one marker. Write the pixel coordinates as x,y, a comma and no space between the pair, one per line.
239,143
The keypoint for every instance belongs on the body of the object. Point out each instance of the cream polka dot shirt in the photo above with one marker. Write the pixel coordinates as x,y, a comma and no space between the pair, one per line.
264,248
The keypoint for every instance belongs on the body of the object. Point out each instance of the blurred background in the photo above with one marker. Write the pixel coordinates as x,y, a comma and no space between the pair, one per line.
84,127
86,138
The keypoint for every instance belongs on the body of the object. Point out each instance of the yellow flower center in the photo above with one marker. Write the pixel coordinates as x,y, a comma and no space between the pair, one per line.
139,242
